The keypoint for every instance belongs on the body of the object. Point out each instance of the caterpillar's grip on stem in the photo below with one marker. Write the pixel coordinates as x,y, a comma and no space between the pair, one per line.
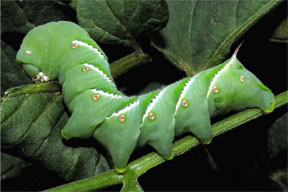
64,51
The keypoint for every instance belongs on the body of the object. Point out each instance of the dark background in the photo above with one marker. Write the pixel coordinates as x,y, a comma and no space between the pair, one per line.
237,160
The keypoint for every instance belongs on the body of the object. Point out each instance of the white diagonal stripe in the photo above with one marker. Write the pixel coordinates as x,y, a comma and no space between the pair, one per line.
153,103
183,93
124,110
99,71
107,94
81,43
218,75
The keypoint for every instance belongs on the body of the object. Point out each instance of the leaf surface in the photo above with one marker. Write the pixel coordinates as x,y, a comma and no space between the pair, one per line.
11,73
12,167
22,16
277,136
280,33
199,33
32,118
112,21
13,18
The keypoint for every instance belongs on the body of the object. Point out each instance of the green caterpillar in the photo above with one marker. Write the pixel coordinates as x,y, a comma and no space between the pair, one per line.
64,51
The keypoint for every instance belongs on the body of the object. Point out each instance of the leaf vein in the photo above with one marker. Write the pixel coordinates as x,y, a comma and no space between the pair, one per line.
19,106
236,32
121,24
31,125
44,140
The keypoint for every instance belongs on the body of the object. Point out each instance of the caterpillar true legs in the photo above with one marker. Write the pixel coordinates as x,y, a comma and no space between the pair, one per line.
64,51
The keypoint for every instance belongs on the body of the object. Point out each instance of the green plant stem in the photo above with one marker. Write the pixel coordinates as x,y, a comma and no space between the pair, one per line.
47,87
132,60
143,164
103,180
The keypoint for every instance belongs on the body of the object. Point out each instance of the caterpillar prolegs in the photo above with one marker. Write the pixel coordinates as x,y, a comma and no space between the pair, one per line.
64,51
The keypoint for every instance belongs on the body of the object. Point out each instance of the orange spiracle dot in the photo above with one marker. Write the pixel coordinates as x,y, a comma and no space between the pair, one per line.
122,118
184,103
215,89
96,97
28,52
151,116
242,78
85,69
75,45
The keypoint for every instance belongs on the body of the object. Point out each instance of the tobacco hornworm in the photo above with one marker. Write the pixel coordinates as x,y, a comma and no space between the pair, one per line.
64,51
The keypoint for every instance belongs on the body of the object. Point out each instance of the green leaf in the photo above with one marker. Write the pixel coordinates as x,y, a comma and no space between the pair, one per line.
11,72
281,32
13,18
22,16
199,33
113,21
279,180
11,166
277,136
41,12
32,118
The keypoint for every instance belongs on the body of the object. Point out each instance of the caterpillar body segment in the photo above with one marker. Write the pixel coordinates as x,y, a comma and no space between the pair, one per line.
64,51
84,77
95,107
158,122
74,57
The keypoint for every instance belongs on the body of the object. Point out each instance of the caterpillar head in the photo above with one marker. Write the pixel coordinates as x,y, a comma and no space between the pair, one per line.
45,48
31,57
236,88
